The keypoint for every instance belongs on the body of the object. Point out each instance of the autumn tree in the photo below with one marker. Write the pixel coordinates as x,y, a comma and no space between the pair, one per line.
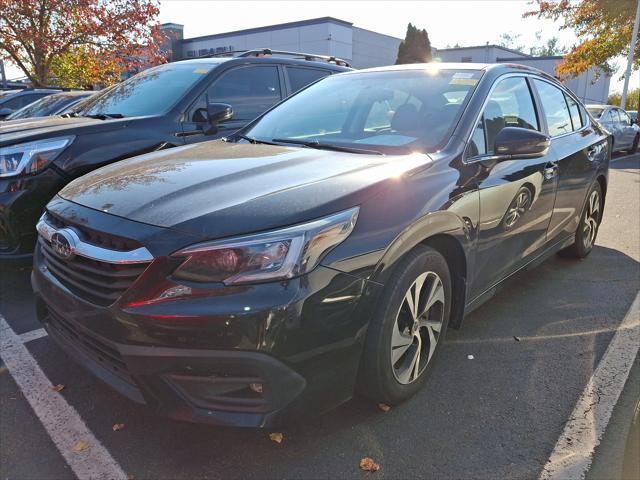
633,98
603,28
82,67
415,48
35,35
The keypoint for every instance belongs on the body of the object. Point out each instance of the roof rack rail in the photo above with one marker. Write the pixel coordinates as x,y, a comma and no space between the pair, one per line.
260,52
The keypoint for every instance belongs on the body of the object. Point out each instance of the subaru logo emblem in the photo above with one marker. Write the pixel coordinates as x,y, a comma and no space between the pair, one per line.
63,244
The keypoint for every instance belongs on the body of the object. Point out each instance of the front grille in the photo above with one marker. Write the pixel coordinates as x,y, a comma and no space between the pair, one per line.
98,282
94,237
104,354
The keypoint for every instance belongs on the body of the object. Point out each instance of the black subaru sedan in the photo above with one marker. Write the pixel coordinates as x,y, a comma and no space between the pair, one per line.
325,248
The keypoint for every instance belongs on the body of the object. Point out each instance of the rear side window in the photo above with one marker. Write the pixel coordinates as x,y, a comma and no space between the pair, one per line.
555,108
509,105
249,90
301,77
576,120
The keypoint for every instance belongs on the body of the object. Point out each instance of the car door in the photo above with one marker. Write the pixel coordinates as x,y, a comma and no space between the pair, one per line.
249,89
626,128
578,149
516,195
609,121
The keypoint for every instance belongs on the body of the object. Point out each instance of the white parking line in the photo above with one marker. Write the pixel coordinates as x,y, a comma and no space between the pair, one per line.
573,453
33,335
61,421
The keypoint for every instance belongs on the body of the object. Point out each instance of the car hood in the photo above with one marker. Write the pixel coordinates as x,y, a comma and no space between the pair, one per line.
27,129
216,189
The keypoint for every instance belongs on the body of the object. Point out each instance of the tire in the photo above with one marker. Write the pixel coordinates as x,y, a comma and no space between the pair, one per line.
382,379
588,227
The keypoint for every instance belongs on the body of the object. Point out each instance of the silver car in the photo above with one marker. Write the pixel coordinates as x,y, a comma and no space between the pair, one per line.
626,134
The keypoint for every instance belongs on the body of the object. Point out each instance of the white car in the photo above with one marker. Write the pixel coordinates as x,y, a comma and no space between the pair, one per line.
626,134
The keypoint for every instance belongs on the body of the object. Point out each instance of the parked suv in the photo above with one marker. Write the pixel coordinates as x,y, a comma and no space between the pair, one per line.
325,247
160,108
12,100
624,130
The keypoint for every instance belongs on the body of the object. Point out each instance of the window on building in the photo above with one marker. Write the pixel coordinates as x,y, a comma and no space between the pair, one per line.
555,108
191,53
509,105
466,60
301,77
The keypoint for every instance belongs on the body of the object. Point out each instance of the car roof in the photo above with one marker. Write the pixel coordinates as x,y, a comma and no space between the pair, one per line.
493,67
267,59
599,105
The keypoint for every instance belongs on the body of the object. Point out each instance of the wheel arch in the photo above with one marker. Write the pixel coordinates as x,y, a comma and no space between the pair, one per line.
446,233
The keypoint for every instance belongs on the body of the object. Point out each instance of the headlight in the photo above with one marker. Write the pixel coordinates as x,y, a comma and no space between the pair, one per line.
26,158
279,254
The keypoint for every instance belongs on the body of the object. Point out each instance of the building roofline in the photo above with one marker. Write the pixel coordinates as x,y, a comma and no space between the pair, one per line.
377,33
171,25
267,28
530,57
489,45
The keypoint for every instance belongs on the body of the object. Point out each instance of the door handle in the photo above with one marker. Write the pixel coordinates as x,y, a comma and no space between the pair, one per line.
550,170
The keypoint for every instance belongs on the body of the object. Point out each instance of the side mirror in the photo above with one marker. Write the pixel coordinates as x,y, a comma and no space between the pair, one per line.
5,112
515,142
217,113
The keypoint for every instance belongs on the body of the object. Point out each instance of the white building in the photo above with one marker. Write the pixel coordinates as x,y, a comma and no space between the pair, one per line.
321,36
364,48
585,86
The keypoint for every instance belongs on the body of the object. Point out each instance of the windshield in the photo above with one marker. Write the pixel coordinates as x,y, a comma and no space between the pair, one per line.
388,112
152,92
595,112
44,107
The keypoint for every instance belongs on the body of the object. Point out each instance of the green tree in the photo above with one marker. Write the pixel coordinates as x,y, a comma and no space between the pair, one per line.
415,48
633,98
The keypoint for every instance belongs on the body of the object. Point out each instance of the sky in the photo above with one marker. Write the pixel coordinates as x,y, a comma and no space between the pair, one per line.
463,22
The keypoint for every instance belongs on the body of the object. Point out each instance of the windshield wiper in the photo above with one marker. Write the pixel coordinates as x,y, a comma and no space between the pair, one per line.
326,146
252,140
105,116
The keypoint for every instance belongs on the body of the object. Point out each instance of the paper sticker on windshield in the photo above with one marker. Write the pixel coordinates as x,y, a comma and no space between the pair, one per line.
464,75
463,81
201,71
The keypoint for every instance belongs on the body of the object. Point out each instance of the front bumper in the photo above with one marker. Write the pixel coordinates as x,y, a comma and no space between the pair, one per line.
22,200
257,356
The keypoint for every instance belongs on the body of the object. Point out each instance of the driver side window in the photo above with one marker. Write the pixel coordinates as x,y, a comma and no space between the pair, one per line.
509,105
249,90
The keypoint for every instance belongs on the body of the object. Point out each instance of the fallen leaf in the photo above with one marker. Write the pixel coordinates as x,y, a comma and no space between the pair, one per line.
276,437
117,426
368,465
80,446
57,388
384,407
517,339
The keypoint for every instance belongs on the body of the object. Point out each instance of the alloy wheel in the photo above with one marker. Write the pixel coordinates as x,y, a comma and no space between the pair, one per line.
592,216
417,327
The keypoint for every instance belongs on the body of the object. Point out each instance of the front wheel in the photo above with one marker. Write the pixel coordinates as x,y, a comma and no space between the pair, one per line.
588,226
408,328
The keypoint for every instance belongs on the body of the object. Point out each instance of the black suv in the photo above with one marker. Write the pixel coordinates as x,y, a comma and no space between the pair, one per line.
324,247
12,100
166,106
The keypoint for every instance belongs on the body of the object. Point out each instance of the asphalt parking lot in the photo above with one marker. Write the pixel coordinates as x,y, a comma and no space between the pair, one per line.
499,398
